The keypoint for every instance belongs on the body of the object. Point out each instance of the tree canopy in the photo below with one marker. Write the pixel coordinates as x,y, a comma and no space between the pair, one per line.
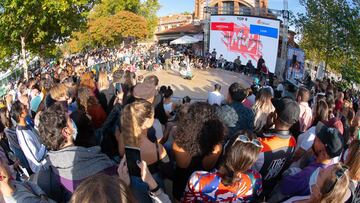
36,26
108,31
330,31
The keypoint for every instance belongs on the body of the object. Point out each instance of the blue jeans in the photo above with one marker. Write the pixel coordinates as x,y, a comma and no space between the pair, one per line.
141,190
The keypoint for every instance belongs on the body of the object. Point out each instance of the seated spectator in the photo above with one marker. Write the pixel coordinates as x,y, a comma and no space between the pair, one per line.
28,138
215,97
69,164
186,147
168,104
234,181
262,109
327,145
279,144
235,97
328,185
16,191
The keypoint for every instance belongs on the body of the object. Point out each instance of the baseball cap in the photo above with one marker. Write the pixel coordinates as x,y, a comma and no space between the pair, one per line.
336,123
331,138
287,110
144,91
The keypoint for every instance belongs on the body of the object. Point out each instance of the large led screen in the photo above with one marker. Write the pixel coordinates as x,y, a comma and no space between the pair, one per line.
247,37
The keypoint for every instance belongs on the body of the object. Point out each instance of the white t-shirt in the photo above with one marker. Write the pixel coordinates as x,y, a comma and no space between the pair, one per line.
215,97
306,139
158,129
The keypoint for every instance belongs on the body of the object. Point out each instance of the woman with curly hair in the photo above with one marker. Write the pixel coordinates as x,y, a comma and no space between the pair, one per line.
197,143
89,104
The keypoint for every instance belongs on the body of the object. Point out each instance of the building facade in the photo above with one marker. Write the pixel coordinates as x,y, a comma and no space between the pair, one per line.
173,21
237,7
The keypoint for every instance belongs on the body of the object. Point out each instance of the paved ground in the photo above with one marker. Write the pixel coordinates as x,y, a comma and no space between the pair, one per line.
201,84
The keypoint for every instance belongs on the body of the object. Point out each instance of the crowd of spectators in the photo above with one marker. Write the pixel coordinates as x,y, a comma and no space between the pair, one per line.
66,135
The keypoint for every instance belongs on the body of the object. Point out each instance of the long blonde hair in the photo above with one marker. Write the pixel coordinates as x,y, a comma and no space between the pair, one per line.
353,160
338,192
103,82
133,118
262,108
59,92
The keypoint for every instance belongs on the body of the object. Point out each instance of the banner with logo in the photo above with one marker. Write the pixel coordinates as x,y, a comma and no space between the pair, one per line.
247,37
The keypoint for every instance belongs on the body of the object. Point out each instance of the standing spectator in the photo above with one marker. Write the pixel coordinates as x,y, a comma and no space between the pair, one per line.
234,181
260,62
339,102
305,119
353,161
213,58
327,145
16,191
136,120
306,140
328,185
235,97
29,140
262,109
106,91
279,144
69,164
193,129
215,97
237,63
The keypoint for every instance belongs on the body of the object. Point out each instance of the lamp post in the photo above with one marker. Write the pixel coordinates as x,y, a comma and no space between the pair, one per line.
207,13
285,31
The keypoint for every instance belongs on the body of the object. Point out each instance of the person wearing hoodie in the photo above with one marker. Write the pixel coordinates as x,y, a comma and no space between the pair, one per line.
69,164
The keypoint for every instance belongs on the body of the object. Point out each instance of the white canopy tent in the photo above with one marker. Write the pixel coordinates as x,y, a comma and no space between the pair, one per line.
185,40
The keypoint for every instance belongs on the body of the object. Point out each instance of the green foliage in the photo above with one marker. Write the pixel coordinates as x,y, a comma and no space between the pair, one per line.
108,31
42,23
110,7
147,9
330,31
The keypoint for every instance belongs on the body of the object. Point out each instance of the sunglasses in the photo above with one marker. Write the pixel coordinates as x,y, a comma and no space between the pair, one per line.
339,174
245,139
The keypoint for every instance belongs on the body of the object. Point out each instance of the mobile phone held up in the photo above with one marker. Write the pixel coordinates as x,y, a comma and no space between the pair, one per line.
132,156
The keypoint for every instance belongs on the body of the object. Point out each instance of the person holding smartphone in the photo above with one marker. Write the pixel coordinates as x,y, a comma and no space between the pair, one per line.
134,142
155,192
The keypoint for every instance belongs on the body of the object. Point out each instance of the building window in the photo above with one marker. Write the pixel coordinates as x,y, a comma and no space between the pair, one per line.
228,7
214,10
244,10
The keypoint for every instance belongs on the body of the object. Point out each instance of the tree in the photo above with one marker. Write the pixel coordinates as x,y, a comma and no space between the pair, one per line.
110,7
330,30
109,31
146,8
37,26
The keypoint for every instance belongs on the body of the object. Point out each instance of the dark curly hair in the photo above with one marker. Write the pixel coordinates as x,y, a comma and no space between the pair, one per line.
52,121
211,134
190,125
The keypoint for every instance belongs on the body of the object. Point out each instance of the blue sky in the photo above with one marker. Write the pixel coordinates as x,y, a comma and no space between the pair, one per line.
173,6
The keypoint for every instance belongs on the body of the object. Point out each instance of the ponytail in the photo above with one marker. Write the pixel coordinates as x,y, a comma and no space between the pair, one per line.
228,175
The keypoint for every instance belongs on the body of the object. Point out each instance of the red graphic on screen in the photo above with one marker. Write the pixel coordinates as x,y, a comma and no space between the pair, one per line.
237,38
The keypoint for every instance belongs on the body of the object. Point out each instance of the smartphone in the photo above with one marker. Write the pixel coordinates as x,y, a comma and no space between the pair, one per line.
118,88
132,156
